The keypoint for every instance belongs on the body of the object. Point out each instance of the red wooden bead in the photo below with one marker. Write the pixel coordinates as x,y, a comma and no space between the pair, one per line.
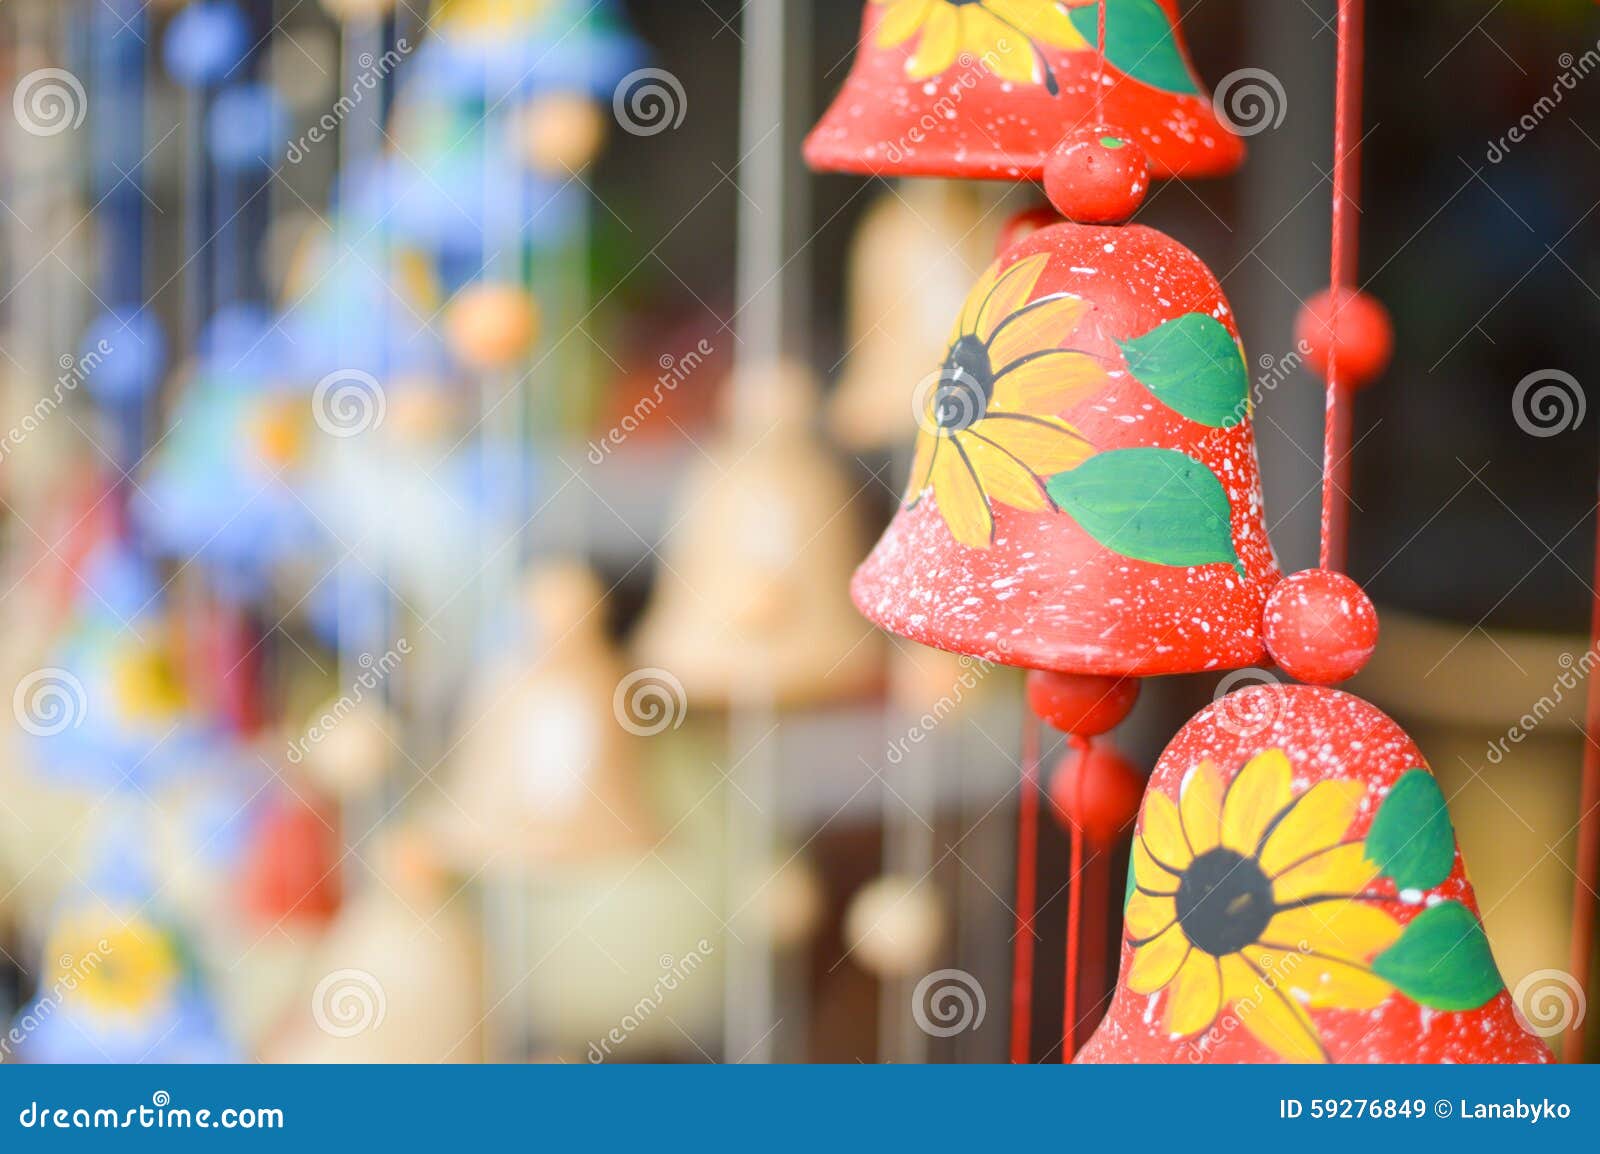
1366,336
1097,790
1096,177
1320,627
1025,223
1081,703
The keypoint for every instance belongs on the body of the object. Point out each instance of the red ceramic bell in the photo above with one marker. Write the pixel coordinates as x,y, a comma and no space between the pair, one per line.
1296,895
292,871
1085,495
984,89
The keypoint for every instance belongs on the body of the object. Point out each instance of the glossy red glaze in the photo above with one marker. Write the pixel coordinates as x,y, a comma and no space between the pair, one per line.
292,869
1044,593
1290,779
1081,703
1366,336
1095,177
1097,790
969,121
1320,627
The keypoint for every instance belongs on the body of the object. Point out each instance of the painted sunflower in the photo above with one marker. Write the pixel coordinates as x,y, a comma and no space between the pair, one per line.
986,29
115,969
1249,897
990,430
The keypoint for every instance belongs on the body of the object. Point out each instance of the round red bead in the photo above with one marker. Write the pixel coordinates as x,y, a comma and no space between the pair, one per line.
1095,176
1366,336
1320,627
1081,703
1097,790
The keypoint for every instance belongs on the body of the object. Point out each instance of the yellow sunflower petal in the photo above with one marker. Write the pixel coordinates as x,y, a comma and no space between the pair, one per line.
1043,22
1254,798
1162,832
901,21
1148,915
921,463
1157,962
1200,804
1044,324
962,503
1321,983
1272,1015
1046,445
1344,869
1001,49
1010,293
1003,477
1196,995
1049,383
1317,821
1147,875
1352,930
967,322
937,47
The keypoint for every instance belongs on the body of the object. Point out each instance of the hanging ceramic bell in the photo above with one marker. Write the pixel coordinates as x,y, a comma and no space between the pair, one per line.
1296,895
750,601
1085,496
913,258
985,89
397,978
543,772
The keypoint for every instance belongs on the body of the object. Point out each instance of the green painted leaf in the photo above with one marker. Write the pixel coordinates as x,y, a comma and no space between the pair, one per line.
1442,960
1128,897
1411,838
1193,365
1154,505
1139,41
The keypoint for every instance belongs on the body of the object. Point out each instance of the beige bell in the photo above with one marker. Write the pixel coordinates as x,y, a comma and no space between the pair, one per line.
752,600
543,769
398,976
917,252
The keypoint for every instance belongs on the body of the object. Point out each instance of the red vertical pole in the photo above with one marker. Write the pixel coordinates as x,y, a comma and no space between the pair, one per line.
1027,885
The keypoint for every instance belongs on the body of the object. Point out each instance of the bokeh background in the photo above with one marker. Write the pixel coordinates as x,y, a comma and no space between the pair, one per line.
439,438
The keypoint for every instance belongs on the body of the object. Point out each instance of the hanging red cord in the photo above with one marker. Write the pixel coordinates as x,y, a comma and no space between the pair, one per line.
1581,957
1345,249
1027,870
1069,1005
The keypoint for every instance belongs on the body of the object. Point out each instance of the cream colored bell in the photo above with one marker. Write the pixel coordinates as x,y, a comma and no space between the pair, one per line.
895,926
398,976
916,253
543,770
752,599
346,750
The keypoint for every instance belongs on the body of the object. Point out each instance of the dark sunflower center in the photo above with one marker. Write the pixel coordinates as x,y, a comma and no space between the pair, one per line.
966,383
1224,901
